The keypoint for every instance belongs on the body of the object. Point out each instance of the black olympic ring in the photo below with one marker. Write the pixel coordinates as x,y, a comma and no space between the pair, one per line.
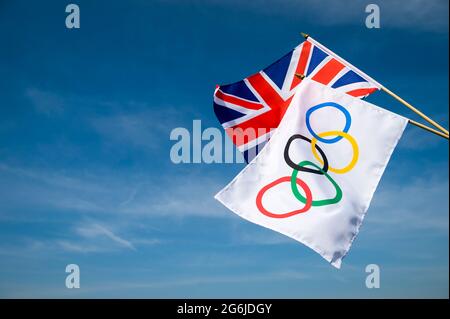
300,168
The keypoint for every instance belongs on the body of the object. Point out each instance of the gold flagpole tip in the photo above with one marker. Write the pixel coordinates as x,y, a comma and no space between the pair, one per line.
305,35
301,76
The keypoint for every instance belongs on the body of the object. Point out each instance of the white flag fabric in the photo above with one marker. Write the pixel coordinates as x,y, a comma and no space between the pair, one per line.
315,178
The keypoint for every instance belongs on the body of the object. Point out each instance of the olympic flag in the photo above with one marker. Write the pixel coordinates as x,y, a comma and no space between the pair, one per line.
315,178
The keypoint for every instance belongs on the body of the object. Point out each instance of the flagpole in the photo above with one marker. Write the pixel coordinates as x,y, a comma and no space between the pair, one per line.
426,128
420,125
408,105
415,110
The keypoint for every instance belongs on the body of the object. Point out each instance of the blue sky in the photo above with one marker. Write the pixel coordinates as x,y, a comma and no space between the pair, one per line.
85,172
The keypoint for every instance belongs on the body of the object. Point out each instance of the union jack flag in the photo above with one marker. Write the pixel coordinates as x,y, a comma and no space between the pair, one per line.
251,109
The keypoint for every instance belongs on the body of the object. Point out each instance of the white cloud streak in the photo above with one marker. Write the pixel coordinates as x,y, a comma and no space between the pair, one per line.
427,15
94,231
418,204
109,193
45,102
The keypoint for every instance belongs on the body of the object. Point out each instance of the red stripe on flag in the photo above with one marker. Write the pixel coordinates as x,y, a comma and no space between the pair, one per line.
302,61
328,72
261,124
361,92
234,100
266,91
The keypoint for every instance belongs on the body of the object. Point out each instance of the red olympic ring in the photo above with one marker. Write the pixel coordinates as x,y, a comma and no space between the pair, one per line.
300,183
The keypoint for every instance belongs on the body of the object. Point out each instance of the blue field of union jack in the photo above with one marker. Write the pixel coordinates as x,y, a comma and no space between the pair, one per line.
257,103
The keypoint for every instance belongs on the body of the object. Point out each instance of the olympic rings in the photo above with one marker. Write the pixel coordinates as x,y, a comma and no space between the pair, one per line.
348,121
297,181
307,198
288,160
342,135
322,202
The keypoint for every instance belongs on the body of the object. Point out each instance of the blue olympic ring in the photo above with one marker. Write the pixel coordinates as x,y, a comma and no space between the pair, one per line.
348,121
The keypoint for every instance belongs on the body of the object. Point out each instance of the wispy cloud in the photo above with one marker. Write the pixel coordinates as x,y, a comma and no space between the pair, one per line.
420,204
204,280
86,237
134,129
192,197
416,139
94,231
428,15
119,123
261,236
110,193
156,286
75,247
45,102
142,127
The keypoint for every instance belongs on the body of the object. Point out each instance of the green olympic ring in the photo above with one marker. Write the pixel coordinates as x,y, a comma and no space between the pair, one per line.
322,202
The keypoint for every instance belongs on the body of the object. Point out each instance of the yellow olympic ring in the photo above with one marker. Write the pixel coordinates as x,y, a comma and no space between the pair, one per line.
344,135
